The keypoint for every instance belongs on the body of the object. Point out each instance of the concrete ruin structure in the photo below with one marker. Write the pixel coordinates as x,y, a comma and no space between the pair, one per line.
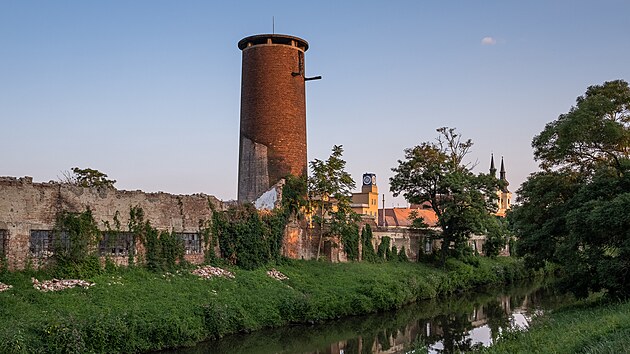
273,113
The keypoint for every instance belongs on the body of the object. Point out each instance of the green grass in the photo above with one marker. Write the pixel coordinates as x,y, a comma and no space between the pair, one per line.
151,311
586,327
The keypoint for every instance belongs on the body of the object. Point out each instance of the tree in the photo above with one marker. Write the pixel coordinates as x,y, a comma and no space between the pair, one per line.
434,172
87,178
330,189
497,236
593,132
574,211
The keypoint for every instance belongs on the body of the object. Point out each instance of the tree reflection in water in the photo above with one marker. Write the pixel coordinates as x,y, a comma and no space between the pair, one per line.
446,325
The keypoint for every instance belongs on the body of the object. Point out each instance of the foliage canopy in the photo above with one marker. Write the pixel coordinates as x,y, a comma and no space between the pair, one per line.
88,177
330,190
575,211
435,173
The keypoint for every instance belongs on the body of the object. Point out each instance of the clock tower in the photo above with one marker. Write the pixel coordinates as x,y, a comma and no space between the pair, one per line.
369,183
366,202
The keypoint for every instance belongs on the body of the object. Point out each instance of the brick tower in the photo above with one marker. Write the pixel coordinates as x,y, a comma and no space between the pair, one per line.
273,113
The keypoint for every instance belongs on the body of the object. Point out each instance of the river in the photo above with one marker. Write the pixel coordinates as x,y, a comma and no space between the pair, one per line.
444,325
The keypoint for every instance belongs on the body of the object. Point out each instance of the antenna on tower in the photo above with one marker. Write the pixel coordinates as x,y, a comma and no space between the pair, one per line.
273,25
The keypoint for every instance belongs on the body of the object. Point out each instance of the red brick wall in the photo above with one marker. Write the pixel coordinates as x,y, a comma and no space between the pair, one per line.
273,113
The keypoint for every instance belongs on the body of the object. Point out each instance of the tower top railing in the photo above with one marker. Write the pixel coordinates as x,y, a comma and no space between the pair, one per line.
284,39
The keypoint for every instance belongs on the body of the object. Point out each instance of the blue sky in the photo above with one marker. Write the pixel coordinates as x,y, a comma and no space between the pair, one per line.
149,91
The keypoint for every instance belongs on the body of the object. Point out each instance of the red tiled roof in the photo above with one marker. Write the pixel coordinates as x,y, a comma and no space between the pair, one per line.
400,216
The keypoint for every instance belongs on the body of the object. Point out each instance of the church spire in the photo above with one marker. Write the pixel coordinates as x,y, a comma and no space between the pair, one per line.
502,176
493,170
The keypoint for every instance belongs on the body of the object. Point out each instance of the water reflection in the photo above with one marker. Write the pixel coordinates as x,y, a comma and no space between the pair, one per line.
446,325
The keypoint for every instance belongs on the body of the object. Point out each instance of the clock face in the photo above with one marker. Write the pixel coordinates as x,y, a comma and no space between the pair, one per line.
373,179
367,180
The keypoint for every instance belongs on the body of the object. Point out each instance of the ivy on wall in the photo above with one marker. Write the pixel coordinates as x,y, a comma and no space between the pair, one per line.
384,252
163,250
75,241
350,239
368,254
247,238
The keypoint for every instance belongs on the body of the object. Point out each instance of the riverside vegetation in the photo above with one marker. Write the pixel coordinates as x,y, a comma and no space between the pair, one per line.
595,325
574,213
136,310
158,303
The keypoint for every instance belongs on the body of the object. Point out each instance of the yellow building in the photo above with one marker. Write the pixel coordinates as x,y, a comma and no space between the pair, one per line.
366,202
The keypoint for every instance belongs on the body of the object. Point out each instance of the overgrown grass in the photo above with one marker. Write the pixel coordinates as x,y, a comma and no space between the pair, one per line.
590,326
134,310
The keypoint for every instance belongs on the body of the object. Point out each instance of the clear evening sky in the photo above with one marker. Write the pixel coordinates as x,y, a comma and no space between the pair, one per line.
149,91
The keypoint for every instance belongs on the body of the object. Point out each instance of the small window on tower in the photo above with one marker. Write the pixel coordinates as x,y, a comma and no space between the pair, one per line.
301,62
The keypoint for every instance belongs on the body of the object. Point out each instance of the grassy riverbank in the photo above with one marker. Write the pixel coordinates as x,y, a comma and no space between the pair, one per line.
135,310
586,327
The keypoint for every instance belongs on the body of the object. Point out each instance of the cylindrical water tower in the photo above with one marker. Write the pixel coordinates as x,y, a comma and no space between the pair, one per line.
273,113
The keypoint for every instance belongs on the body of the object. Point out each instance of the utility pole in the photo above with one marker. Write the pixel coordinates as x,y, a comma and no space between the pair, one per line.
383,221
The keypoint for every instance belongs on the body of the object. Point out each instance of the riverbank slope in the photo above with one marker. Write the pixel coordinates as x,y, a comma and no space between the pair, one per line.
134,310
589,326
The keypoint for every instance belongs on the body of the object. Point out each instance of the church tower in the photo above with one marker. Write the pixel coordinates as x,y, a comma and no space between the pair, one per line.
504,195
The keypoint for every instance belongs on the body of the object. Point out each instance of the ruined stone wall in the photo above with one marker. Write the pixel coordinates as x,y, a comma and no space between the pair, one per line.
26,206
413,241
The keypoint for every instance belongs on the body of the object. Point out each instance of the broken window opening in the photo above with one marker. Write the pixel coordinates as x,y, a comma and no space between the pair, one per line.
115,244
192,242
41,244
4,240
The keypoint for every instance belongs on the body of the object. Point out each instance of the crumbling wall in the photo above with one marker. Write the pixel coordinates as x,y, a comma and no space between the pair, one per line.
412,240
299,242
26,206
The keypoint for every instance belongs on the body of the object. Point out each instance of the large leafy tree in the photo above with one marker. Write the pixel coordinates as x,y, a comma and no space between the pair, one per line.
593,133
330,190
435,172
575,211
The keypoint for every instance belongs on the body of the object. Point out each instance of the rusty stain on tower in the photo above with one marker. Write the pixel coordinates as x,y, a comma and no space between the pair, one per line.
273,113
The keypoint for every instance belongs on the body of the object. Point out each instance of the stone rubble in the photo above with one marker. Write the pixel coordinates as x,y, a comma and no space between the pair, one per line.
5,287
276,274
208,272
56,284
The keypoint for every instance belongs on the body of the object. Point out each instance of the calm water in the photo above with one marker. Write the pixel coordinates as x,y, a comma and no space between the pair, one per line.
446,325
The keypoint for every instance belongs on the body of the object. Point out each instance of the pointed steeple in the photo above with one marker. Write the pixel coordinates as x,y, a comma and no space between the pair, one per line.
493,170
502,176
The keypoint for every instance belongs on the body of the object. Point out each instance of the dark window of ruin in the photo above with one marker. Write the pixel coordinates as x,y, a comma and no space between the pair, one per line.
192,242
115,244
428,247
41,243
4,239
